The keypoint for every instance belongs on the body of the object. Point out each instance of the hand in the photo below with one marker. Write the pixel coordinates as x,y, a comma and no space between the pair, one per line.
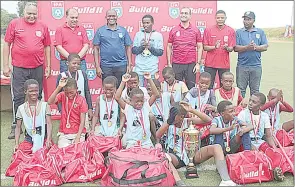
90,114
91,132
142,43
186,106
241,132
126,77
217,44
172,114
77,140
244,103
147,75
279,95
62,82
232,127
15,148
120,132
157,76
225,47
196,68
129,68
47,72
99,72
202,61
48,143
252,46
6,71
210,108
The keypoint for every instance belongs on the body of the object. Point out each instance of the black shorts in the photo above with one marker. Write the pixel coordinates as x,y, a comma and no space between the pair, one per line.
180,162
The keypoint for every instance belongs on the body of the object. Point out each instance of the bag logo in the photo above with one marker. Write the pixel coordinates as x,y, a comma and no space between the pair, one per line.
57,9
252,174
174,10
117,6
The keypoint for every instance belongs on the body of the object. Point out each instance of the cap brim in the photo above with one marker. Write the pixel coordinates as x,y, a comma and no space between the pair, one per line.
247,17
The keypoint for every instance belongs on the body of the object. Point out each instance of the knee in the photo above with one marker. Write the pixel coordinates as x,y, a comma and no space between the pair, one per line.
217,149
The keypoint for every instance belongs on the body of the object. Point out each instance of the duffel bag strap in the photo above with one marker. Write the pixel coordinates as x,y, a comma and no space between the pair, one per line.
136,165
242,174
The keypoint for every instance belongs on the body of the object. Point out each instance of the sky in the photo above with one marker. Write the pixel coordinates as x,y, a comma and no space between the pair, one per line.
268,13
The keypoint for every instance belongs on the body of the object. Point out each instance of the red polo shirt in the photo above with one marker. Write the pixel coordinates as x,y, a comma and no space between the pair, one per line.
184,42
72,40
28,42
219,58
79,107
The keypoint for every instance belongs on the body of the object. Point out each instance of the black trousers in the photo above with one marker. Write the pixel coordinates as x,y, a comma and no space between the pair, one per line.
19,77
212,72
185,72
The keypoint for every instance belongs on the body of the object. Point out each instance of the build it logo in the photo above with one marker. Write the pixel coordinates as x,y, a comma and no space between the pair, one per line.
117,6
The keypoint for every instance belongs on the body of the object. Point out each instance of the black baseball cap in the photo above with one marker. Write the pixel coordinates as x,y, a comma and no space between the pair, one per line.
249,14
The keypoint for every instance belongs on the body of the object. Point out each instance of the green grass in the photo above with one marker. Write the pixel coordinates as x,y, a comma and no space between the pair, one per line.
277,72
277,34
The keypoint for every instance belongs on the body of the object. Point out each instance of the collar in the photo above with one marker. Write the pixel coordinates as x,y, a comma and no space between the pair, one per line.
117,27
189,26
219,28
226,91
142,30
254,29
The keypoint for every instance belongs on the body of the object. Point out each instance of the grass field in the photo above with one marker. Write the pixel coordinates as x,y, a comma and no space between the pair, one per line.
277,72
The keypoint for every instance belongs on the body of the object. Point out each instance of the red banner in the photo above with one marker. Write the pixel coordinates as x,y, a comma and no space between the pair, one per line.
92,16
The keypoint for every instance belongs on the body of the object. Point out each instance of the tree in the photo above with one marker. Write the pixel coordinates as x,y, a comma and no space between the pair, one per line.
6,17
21,6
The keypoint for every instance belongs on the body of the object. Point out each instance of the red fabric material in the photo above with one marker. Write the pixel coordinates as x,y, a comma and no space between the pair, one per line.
79,107
249,167
204,129
71,40
103,143
218,58
284,138
138,164
184,43
28,42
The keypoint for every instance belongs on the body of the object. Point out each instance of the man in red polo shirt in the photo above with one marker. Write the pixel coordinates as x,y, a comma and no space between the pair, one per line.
183,43
71,38
218,41
29,40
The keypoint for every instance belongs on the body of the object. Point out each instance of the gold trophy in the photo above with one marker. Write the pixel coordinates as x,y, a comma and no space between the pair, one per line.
191,142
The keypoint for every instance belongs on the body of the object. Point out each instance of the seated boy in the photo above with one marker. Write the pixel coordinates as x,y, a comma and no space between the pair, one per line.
229,132
274,107
170,84
228,92
138,128
259,120
74,108
175,125
35,115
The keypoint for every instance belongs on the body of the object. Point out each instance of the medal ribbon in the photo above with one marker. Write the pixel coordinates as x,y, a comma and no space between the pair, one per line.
273,119
256,127
142,122
147,40
68,112
227,134
109,112
76,76
158,108
33,115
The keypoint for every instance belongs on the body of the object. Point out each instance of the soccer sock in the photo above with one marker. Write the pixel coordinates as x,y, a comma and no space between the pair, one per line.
222,170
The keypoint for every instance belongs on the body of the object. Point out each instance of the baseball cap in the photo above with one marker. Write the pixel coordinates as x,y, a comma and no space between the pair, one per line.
249,14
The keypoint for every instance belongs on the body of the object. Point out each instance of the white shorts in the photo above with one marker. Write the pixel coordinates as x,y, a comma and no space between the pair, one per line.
65,140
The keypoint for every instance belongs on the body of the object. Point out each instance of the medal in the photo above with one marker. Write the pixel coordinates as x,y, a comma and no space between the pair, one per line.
68,112
158,108
146,53
144,136
34,131
227,149
33,117
68,125
256,126
109,123
109,112
142,125
174,150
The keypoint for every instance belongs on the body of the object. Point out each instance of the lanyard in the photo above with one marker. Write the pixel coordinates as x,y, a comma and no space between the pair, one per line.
172,87
232,94
142,123
158,108
256,126
109,112
273,119
33,115
203,105
227,134
147,40
76,76
68,112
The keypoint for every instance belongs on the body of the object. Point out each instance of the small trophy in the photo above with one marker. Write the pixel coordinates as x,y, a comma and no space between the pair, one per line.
191,141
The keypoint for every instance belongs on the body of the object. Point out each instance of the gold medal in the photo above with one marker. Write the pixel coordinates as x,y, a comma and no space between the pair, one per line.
34,131
109,123
146,52
227,149
68,125
174,150
144,136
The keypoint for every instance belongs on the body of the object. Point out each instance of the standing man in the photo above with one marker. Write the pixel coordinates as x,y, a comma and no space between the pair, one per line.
71,38
112,49
30,49
219,40
251,41
147,46
185,47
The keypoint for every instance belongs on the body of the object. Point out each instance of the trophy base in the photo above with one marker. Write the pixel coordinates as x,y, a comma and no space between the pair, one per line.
191,172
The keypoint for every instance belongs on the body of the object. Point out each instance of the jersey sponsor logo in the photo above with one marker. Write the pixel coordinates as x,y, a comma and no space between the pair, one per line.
143,9
117,6
89,10
57,9
89,27
174,10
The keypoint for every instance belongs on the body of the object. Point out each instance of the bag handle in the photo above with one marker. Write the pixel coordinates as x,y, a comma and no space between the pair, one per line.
243,156
136,165
260,172
242,174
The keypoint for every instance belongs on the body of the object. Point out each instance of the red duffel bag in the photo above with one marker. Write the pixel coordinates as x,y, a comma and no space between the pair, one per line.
137,166
82,170
249,167
104,143
278,159
18,157
284,138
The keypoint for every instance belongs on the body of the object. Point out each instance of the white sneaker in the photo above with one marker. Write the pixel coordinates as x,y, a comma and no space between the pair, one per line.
227,183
